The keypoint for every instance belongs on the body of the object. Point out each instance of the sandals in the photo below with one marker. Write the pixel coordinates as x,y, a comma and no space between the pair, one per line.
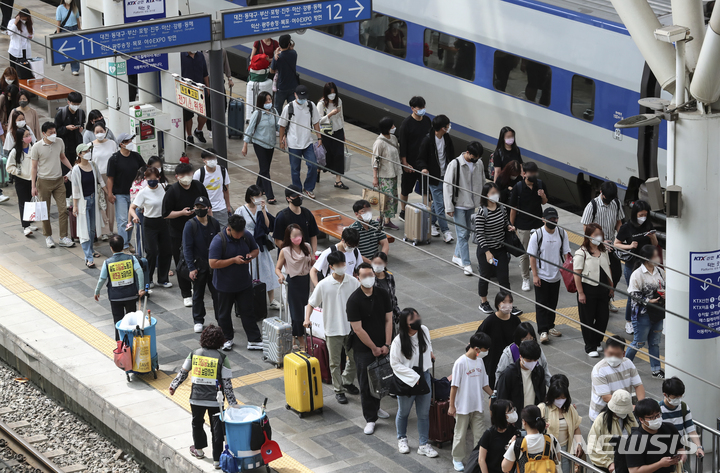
341,185
272,202
90,264
96,254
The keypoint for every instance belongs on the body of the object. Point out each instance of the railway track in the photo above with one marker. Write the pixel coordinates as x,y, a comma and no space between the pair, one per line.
17,454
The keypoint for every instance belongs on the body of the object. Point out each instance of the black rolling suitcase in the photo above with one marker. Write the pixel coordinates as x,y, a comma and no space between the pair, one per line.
259,295
236,117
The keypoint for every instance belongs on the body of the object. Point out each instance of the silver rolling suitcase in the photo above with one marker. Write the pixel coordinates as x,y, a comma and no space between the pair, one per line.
277,340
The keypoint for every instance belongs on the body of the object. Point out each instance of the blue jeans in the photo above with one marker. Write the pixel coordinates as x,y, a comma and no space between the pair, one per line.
462,223
422,409
646,331
122,205
75,65
438,206
295,164
87,246
627,271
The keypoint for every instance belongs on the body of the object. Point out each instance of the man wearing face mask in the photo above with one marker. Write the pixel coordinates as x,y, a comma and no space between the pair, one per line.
331,294
369,230
528,195
216,180
295,213
464,181
548,248
178,208
612,373
412,131
347,246
121,171
69,122
523,382
369,311
676,412
653,447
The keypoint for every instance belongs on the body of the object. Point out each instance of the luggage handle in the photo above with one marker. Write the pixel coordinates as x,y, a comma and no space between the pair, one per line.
426,190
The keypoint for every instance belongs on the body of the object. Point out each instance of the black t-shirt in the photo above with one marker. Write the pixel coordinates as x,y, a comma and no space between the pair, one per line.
528,200
177,198
495,442
502,157
371,312
71,138
501,333
123,170
285,66
411,135
306,221
629,233
665,443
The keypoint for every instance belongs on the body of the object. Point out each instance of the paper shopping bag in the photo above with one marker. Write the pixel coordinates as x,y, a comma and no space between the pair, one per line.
377,199
35,211
142,361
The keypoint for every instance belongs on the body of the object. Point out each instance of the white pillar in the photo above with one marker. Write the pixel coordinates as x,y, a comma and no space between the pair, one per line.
117,92
148,87
694,158
95,81
173,144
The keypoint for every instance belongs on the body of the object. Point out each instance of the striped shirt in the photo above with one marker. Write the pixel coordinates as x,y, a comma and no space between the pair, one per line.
606,216
490,230
370,238
684,425
607,380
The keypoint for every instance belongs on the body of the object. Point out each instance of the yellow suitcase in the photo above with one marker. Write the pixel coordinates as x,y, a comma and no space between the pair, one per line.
303,383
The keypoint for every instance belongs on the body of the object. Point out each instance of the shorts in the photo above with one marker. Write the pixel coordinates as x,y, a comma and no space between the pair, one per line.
408,182
187,115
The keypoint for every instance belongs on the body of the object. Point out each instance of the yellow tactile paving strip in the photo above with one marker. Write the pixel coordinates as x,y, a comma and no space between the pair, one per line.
106,345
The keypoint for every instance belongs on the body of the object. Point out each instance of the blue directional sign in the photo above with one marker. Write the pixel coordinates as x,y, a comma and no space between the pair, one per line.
131,39
145,62
704,299
293,16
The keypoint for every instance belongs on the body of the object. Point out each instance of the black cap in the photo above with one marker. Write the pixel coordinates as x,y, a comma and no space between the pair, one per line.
549,213
292,190
301,91
202,200
284,41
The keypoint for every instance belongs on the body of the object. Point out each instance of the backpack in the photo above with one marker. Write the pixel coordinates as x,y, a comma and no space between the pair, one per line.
322,276
223,173
64,111
257,122
291,111
538,463
539,235
456,182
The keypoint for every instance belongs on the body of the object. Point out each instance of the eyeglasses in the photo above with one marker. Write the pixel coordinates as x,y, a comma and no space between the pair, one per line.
654,417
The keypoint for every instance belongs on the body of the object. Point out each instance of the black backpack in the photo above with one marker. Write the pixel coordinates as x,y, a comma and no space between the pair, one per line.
594,208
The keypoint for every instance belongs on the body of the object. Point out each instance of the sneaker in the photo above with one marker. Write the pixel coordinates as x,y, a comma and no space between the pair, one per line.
447,236
62,67
458,465
166,285
199,135
555,332
33,228
151,285
401,216
659,374
76,73
275,305
485,307
457,261
369,428
403,446
383,414
66,242
216,465
187,301
351,389
4,198
190,140
515,311
197,453
427,450
340,398
27,231
435,230
544,337
390,226
104,237
526,285
254,346
629,328
209,135
198,328
227,346
594,354
49,242
612,308
468,270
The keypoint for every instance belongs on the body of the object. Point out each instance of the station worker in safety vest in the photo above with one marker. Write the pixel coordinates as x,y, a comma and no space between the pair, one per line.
125,281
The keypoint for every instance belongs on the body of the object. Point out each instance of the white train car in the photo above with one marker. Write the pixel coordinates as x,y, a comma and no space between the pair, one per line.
560,72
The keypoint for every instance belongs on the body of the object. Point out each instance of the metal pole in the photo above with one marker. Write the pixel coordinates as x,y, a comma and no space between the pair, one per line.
117,92
217,82
172,145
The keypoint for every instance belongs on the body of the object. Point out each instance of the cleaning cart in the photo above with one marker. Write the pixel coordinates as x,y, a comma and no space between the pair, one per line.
248,438
142,330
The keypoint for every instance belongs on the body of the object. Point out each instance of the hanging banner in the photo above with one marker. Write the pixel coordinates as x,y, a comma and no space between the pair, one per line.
190,96
704,299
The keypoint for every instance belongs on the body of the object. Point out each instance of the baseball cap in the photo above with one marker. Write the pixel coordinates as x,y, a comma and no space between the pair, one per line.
125,137
202,200
81,148
549,213
301,91
292,190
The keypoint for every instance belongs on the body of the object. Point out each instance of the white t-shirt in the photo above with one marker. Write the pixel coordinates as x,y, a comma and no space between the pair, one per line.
299,134
350,261
550,252
535,445
332,297
101,154
214,185
150,200
440,145
470,377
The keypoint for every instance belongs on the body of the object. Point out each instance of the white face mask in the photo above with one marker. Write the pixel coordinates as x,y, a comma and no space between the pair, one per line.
494,197
596,240
512,417
211,163
185,180
9,81
51,138
368,282
74,108
87,157
641,220
367,216
613,361
20,123
258,201
332,96
505,308
654,424
448,128
378,268
339,270
529,365
392,130
482,354
559,403
674,402
100,136
68,2
267,106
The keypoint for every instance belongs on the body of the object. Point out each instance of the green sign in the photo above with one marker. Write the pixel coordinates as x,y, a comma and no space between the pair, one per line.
117,68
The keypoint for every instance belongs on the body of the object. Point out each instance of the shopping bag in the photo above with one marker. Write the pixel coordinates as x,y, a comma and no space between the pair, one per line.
348,159
35,211
568,275
142,362
122,355
320,153
377,199
380,377
37,64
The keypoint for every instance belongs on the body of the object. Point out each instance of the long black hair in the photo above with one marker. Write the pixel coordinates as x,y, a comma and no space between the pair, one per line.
556,390
498,413
485,190
637,207
19,144
405,343
327,90
647,252
501,141
608,420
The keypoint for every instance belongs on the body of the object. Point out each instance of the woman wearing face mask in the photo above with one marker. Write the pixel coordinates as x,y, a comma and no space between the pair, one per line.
8,101
258,222
158,246
31,116
563,421
469,379
103,148
85,179
491,447
260,131
19,166
614,420
633,235
413,342
20,30
96,118
500,326
536,440
510,175
330,109
67,16
157,163
647,290
505,152
17,121
386,169
297,259
8,78
384,279
511,353
491,221
593,279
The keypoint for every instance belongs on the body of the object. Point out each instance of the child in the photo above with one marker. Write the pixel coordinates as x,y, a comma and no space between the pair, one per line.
469,378
675,411
203,396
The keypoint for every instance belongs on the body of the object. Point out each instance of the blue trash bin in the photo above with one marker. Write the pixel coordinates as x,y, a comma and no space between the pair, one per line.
238,422
149,330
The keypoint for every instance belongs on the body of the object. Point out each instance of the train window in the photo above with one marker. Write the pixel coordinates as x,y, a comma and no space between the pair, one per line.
384,33
583,98
523,78
448,54
335,30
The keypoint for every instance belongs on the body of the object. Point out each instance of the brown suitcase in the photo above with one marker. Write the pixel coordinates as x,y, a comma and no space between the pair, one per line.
442,425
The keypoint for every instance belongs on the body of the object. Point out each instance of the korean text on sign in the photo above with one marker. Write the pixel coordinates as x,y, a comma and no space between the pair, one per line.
204,370
121,273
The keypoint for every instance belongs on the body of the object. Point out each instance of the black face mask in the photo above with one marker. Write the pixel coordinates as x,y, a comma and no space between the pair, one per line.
474,160
201,212
532,179
416,325
607,199
297,201
550,225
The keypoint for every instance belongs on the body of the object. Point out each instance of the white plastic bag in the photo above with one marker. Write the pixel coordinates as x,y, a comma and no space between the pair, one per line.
132,320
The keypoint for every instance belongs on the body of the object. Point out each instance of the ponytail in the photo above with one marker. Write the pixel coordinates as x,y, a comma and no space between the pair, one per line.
533,418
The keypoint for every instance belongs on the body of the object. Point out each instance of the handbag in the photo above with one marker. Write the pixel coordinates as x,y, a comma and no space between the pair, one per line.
513,245
400,388
326,125
380,377
122,355
568,275
320,153
377,199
